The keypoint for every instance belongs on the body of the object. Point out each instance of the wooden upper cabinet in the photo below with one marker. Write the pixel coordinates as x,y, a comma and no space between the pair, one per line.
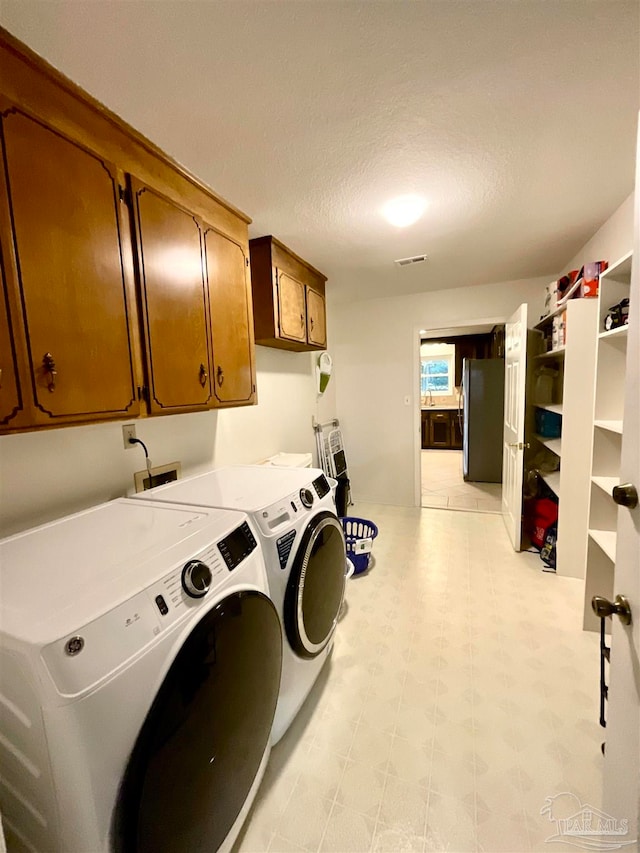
10,397
291,307
174,300
227,267
288,298
316,318
60,225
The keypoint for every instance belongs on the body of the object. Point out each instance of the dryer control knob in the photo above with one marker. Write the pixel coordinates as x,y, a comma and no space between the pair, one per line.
196,578
306,496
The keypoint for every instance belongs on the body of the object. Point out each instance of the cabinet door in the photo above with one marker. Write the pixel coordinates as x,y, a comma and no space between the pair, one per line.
424,432
231,321
439,430
456,432
174,303
10,397
316,318
291,308
69,275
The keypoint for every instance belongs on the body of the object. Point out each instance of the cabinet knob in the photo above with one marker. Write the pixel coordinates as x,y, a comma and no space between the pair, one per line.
626,495
220,375
204,375
49,364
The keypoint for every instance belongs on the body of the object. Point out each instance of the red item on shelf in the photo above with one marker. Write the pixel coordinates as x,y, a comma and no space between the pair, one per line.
541,514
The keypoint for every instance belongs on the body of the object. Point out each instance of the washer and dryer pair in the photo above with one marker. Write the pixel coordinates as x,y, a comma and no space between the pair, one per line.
141,657
305,555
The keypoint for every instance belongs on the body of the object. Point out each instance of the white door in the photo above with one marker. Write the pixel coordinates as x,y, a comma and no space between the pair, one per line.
622,757
515,378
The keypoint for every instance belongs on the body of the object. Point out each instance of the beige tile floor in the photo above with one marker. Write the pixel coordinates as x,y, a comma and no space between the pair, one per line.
460,694
444,488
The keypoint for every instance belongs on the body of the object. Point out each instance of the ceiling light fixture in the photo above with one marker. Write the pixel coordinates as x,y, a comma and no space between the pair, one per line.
404,210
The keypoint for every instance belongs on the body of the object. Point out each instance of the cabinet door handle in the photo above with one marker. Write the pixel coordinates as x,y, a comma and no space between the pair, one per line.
302,321
220,375
311,323
49,365
204,375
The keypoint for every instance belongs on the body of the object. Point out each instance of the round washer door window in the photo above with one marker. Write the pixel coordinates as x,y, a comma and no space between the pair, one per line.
204,738
316,586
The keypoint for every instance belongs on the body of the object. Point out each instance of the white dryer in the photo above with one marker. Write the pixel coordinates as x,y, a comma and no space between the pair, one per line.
140,660
304,551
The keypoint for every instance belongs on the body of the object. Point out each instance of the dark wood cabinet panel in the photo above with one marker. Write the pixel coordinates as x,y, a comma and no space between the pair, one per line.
68,274
288,298
316,318
456,431
175,303
424,429
231,319
439,429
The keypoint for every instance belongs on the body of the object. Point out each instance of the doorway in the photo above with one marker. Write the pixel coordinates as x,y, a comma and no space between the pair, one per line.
461,446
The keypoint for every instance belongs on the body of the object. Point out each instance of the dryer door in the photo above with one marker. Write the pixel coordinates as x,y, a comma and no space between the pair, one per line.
204,738
316,586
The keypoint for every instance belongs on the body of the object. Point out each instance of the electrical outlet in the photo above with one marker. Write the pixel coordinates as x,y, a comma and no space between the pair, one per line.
128,431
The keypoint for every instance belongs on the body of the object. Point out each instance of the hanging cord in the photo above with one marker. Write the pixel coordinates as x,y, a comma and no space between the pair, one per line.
146,456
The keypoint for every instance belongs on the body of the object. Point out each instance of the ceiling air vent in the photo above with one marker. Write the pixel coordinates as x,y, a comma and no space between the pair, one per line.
406,262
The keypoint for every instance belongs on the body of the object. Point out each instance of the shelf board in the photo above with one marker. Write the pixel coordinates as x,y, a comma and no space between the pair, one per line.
606,539
553,444
620,332
610,426
553,481
550,407
620,271
553,353
606,483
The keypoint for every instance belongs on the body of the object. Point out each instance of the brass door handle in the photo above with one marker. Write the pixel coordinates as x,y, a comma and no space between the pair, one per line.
620,606
519,444
204,375
220,375
49,365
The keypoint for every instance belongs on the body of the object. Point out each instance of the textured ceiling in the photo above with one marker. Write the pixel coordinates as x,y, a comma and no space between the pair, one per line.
516,120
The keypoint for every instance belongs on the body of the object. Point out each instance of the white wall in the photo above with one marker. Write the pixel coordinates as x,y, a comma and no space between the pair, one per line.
45,475
612,240
375,349
376,356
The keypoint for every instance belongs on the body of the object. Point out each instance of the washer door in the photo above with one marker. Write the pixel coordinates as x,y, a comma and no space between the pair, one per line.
316,586
202,742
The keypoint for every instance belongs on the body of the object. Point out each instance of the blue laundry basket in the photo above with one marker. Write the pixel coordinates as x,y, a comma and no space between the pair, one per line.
356,532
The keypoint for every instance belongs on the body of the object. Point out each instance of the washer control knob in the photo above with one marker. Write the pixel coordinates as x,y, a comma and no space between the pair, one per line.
196,578
306,496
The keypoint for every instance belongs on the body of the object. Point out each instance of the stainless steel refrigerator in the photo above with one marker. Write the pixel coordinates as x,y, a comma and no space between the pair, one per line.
482,419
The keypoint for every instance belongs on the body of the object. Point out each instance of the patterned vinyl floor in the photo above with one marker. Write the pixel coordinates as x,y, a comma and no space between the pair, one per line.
461,693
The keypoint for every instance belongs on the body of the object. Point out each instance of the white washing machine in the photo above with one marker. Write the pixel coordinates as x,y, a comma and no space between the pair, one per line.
140,661
304,551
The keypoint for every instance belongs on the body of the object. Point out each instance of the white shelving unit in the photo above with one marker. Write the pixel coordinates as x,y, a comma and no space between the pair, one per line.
611,356
573,399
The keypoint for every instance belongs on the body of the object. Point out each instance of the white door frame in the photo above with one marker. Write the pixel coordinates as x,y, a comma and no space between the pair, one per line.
447,331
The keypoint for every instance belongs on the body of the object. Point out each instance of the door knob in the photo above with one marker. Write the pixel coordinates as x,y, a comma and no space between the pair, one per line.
620,606
626,495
